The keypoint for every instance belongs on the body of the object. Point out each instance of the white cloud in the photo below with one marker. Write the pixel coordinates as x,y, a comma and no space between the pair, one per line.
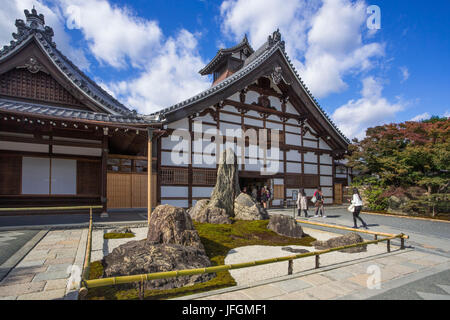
370,110
324,39
420,117
170,77
12,10
404,72
115,35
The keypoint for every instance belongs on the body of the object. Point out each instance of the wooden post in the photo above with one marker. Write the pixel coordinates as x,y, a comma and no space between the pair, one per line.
104,213
389,246
149,173
402,243
317,262
290,266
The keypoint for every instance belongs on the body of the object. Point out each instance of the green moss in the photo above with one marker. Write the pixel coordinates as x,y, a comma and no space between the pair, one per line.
113,235
218,240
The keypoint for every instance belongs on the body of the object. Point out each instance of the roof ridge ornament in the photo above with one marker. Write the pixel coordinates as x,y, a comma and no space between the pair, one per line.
274,39
34,23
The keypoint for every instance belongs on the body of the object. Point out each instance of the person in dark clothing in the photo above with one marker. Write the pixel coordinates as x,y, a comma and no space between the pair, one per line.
357,202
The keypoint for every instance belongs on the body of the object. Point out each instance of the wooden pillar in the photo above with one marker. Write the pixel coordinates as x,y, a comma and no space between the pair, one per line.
104,173
149,173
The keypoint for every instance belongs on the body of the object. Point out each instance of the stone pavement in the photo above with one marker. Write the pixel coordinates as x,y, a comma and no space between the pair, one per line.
336,281
43,273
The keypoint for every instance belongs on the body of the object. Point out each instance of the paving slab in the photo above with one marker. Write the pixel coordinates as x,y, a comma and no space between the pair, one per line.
292,285
12,280
20,289
51,276
315,279
44,295
56,284
263,292
322,292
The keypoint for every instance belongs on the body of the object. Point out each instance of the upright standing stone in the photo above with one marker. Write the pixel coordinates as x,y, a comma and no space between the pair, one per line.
220,207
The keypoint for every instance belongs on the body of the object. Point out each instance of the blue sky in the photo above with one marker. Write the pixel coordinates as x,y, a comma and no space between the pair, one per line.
148,53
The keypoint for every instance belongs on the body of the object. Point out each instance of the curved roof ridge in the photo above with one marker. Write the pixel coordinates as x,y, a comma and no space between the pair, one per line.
224,51
34,27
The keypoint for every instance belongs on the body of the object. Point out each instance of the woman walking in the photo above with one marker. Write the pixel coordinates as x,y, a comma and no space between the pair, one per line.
357,203
302,203
319,203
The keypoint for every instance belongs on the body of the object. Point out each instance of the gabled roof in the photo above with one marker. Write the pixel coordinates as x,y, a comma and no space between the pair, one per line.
35,109
273,45
222,53
34,29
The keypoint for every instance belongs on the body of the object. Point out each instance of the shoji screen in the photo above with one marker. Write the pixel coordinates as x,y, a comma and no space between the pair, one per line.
35,175
64,176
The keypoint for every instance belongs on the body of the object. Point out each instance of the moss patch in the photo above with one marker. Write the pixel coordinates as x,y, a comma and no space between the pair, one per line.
113,235
218,239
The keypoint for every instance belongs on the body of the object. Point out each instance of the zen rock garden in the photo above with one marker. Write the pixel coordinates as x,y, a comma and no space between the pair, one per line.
173,243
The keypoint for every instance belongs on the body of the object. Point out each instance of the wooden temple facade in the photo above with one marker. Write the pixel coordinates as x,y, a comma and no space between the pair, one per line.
65,141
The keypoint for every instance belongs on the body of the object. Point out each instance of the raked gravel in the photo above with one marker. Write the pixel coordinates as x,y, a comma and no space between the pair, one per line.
251,275
102,247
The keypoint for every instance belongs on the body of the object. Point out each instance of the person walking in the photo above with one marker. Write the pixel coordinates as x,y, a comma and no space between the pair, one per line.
319,203
302,203
268,196
357,203
254,193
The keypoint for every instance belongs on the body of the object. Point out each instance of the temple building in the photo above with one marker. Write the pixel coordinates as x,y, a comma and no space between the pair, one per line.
66,141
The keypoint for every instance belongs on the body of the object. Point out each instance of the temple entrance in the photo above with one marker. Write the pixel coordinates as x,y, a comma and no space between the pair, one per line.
252,186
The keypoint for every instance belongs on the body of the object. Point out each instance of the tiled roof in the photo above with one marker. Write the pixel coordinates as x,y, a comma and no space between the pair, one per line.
35,28
273,44
225,52
34,109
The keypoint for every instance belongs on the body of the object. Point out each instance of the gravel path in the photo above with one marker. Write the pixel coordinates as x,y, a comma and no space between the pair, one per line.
258,273
102,247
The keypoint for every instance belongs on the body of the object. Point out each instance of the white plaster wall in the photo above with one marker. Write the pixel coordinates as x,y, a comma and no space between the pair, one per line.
310,168
275,102
290,108
326,181
95,152
278,182
167,143
166,159
176,203
293,139
293,155
202,192
326,158
20,146
323,145
179,124
254,122
272,125
230,117
311,144
326,170
293,167
251,96
327,192
310,157
293,129
174,192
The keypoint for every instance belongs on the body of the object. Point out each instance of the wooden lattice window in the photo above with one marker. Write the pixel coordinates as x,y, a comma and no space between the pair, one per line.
294,180
88,177
36,86
310,181
204,177
174,176
10,173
